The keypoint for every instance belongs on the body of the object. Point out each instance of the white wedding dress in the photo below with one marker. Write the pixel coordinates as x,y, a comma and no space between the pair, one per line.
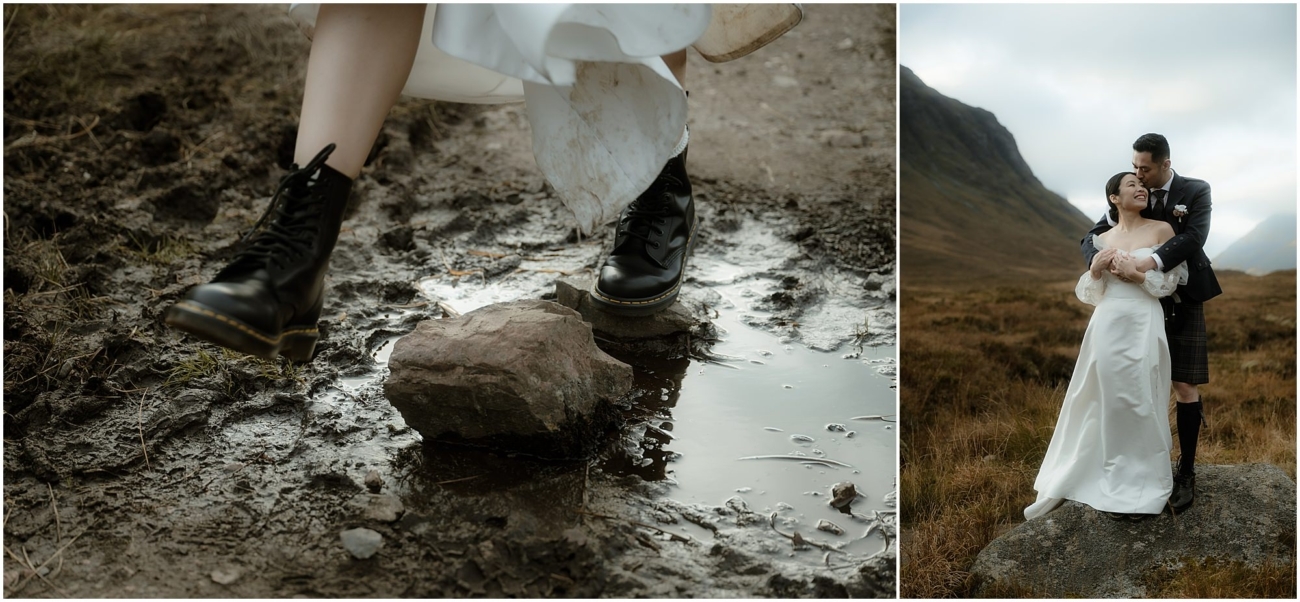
1110,449
605,111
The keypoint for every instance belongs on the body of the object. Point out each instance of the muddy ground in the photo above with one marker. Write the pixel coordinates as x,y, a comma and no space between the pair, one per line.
140,141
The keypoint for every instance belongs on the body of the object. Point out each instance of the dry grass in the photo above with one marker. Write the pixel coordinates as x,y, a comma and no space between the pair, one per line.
983,376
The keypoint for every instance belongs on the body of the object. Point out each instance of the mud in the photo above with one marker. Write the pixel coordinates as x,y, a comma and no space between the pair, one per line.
140,141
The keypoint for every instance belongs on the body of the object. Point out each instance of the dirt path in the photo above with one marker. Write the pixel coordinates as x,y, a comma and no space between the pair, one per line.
141,140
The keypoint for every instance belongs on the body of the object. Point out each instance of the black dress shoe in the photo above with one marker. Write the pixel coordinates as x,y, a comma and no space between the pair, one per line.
268,300
655,235
1184,492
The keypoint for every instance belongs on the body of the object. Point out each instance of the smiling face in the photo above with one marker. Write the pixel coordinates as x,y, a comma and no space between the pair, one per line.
1131,194
1149,172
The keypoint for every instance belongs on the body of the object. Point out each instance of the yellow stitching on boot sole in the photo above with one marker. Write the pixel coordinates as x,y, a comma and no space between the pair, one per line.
241,326
670,291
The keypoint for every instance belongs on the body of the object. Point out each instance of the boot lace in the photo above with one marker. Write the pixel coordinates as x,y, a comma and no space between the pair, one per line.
646,213
296,218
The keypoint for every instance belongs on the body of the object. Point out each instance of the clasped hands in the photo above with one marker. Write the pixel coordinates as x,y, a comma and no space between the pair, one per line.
1120,263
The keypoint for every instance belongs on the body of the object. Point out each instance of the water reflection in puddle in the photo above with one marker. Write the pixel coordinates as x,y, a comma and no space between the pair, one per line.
762,420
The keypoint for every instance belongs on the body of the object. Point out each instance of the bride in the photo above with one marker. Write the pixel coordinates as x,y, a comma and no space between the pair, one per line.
1110,449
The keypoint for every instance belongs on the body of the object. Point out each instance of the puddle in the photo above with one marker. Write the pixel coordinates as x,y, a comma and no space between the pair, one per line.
780,411
781,404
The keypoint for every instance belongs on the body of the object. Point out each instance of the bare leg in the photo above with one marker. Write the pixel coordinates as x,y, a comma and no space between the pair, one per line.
361,56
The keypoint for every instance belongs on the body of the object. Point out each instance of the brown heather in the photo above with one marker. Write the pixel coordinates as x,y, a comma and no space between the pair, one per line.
983,376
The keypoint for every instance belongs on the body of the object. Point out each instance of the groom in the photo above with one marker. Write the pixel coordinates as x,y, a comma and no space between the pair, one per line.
1185,204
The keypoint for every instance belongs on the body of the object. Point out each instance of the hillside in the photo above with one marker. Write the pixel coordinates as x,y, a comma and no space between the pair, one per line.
1267,248
971,209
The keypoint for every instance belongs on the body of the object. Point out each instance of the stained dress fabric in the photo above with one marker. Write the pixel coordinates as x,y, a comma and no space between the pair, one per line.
1111,446
606,113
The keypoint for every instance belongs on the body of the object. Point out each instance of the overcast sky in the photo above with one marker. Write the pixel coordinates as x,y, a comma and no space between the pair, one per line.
1077,84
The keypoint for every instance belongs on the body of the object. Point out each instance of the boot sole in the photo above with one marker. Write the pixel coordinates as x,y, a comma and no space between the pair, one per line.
648,306
296,343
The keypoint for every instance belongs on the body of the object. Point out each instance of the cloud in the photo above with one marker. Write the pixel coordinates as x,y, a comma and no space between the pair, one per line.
1076,84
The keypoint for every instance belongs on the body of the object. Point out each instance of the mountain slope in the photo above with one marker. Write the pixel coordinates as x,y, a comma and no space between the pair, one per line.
1267,248
971,209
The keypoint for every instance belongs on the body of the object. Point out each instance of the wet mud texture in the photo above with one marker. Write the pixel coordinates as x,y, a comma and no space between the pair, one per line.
140,141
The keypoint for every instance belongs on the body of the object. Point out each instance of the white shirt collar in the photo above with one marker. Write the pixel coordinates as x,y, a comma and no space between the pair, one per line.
1168,183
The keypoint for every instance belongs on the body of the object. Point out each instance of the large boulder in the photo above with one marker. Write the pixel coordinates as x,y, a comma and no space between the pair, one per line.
1244,513
524,376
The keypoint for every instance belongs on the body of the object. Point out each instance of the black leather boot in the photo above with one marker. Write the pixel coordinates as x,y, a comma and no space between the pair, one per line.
1184,492
655,234
268,300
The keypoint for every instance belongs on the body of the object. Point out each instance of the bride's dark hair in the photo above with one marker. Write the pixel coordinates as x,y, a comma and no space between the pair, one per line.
1112,188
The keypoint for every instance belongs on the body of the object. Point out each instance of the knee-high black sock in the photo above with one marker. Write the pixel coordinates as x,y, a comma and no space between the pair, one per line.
1189,428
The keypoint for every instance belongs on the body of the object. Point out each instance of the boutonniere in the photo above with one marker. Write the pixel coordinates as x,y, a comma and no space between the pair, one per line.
1179,212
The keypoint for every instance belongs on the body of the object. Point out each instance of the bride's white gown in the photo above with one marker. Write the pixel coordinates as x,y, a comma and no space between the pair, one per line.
1110,449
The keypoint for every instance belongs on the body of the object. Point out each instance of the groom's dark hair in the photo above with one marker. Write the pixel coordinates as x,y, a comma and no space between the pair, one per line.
1154,144
1112,188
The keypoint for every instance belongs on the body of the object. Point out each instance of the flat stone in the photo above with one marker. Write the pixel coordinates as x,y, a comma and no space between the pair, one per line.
361,543
1243,513
574,292
525,375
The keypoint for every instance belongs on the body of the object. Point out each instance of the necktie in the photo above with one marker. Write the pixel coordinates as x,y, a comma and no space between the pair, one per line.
1158,209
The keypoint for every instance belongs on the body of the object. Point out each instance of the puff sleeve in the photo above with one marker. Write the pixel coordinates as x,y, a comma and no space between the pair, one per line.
1090,291
1162,284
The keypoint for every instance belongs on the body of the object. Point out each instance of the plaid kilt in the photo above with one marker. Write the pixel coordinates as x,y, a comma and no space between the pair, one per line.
1185,327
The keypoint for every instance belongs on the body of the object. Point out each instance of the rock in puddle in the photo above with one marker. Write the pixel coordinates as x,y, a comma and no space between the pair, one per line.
829,527
843,494
524,375
361,543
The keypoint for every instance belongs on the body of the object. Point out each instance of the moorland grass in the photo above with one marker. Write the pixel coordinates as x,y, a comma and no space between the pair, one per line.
983,374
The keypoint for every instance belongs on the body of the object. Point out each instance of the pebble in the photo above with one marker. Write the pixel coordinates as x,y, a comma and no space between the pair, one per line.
374,482
227,575
843,494
361,543
829,527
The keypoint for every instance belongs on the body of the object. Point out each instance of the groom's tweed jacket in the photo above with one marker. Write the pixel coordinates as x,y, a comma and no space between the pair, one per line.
1190,233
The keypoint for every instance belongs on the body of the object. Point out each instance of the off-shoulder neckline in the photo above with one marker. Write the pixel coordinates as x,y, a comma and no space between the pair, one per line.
1101,245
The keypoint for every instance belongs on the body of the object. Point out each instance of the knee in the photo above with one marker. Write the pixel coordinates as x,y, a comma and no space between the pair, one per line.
1186,393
